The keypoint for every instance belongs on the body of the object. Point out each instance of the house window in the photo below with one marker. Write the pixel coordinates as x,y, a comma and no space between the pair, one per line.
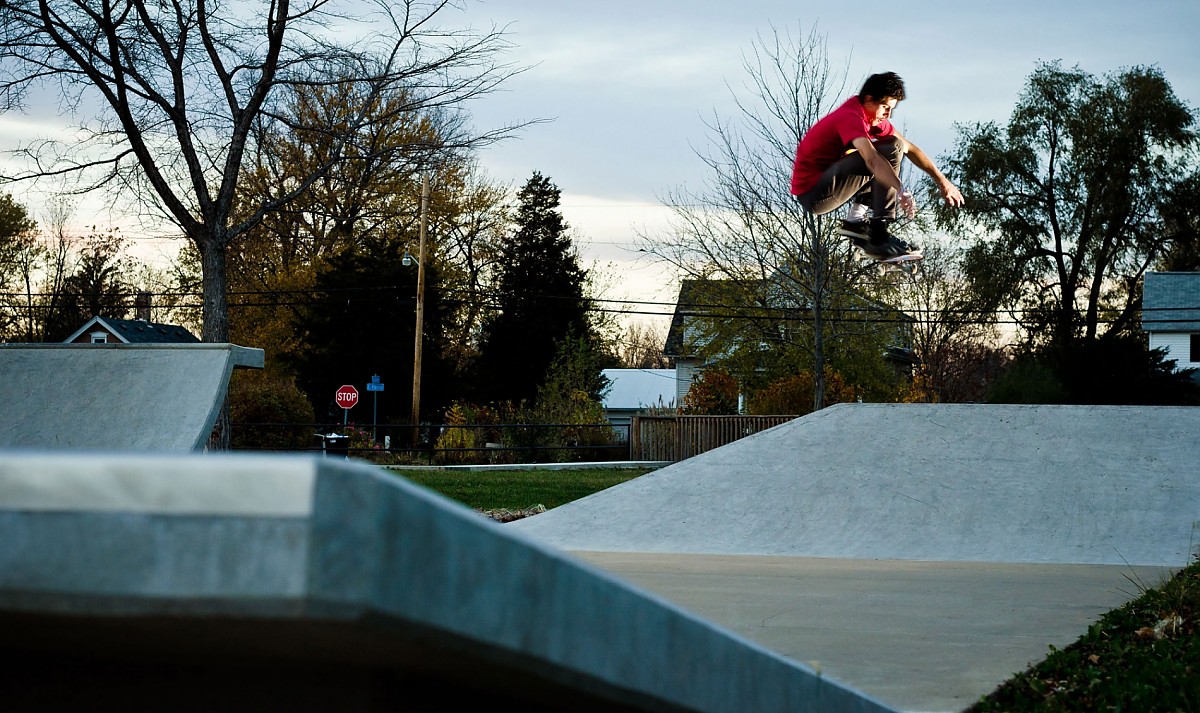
99,338
1194,356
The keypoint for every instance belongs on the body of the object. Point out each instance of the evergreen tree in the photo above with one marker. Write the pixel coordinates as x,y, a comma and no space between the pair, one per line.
540,299
360,324
99,287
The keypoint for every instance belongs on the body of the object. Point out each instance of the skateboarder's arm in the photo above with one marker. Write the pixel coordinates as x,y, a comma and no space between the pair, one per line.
880,168
948,190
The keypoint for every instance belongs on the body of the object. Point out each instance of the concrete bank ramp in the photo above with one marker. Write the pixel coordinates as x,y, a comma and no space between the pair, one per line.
126,397
251,583
988,483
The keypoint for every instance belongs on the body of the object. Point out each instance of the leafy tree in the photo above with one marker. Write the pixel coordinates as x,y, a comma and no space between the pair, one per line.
575,375
572,395
1076,198
99,287
1181,218
360,323
18,249
540,299
372,195
187,89
1117,370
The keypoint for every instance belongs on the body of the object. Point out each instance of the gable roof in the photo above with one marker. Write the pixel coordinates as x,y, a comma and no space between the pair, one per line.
136,331
696,298
1171,302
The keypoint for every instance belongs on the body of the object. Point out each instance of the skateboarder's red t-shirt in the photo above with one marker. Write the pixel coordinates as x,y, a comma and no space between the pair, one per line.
829,139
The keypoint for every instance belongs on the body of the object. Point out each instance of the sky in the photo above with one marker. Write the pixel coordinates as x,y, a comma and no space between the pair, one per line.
627,86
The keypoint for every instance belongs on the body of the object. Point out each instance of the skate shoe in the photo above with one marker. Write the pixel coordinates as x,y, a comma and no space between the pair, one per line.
854,229
883,245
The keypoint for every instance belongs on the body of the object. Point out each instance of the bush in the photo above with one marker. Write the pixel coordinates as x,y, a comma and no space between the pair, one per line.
794,394
713,393
257,397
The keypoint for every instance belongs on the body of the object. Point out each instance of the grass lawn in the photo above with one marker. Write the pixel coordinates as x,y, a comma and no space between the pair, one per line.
519,489
1143,656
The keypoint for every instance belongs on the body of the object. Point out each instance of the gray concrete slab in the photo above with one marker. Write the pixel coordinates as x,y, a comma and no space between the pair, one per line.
196,582
1052,484
920,636
134,397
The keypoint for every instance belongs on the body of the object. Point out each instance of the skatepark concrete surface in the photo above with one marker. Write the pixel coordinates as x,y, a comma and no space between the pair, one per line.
809,567
924,571
122,397
954,482
209,582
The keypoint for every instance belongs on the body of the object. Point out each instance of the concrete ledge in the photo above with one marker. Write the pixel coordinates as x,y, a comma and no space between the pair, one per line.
356,585
105,397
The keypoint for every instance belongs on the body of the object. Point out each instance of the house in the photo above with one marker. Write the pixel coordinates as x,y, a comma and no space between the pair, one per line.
106,330
1171,315
632,391
708,300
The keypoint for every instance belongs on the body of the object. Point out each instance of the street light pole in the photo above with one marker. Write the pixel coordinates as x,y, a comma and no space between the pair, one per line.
418,338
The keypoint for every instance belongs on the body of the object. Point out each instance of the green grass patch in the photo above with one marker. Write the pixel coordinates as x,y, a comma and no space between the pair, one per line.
519,488
1143,656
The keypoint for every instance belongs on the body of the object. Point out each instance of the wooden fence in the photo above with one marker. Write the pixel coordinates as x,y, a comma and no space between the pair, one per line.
673,438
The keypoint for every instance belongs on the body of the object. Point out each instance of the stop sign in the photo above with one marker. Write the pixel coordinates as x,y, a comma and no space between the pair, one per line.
346,396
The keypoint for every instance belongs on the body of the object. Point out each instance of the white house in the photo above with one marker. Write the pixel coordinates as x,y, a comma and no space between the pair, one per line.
1171,315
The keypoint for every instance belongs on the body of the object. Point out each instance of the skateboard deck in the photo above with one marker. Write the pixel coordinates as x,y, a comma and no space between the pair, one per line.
906,261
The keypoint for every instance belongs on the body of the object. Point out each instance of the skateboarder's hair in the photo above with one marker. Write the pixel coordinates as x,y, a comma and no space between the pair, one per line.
881,86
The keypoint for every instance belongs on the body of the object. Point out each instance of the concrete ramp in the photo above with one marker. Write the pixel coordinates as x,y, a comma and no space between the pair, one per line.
250,583
128,397
986,483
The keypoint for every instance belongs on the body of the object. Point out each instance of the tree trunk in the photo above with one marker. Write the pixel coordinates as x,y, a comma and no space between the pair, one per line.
215,327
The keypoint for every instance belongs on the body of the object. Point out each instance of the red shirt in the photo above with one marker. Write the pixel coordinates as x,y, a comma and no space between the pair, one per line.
829,139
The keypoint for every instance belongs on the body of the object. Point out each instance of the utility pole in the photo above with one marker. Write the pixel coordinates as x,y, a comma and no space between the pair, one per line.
418,338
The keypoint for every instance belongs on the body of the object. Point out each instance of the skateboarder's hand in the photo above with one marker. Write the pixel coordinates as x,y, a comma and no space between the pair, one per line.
908,204
951,193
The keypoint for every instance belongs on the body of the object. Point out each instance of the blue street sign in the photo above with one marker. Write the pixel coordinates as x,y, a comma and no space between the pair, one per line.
374,387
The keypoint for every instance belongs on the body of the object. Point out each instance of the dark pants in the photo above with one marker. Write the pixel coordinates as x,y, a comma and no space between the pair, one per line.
850,179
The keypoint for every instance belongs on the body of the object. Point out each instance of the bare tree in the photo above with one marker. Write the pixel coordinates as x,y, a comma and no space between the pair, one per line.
640,346
780,274
184,87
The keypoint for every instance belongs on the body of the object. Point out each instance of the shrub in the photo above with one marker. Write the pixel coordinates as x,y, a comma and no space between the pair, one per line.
713,393
794,394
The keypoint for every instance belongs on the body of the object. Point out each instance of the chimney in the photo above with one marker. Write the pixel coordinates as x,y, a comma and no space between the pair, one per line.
141,306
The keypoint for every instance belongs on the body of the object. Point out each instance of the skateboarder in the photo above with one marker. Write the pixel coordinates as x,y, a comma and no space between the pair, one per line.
853,155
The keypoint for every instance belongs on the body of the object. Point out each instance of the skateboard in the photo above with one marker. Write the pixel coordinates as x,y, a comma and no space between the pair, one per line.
907,262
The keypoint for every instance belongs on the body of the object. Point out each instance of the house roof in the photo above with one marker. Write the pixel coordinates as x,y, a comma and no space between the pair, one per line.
1171,302
639,388
696,298
136,331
